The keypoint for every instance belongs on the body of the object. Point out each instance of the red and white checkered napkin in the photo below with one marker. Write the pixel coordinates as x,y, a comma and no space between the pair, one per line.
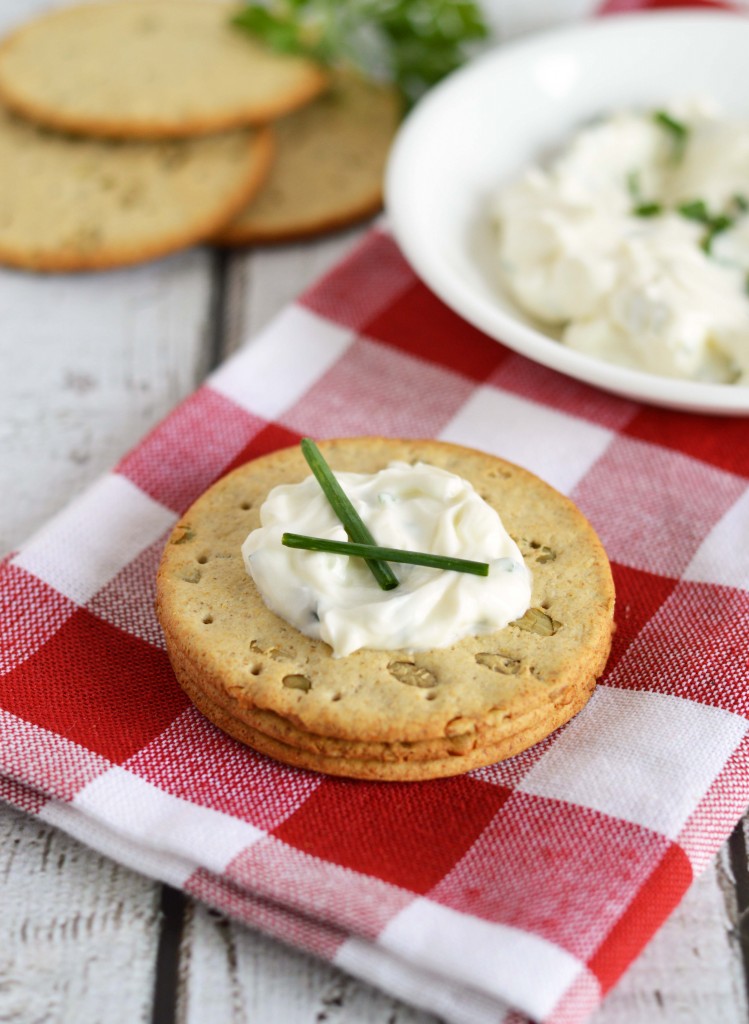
526,887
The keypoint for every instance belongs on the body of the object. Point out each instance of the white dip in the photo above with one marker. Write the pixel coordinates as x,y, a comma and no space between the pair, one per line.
421,508
603,243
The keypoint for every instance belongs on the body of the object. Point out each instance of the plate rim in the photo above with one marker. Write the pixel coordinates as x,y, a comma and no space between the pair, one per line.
534,344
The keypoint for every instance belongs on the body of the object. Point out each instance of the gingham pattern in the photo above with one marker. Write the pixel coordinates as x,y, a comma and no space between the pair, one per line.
523,888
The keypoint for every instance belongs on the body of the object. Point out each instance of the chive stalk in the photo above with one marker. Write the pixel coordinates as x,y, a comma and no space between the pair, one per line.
375,552
647,210
697,210
350,518
678,131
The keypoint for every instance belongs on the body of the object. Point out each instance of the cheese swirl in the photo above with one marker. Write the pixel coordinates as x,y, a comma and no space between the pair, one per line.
421,508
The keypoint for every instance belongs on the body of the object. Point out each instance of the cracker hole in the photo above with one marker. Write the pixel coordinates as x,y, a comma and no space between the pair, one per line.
207,619
245,506
430,696
256,669
202,559
335,697
295,681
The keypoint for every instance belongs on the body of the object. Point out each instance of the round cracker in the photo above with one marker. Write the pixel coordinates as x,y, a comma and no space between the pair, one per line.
386,768
329,165
149,69
432,713
84,204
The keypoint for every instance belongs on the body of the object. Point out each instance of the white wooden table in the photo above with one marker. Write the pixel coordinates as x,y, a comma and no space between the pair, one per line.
88,364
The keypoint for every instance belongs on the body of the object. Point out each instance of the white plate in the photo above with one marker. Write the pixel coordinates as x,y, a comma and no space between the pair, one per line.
486,122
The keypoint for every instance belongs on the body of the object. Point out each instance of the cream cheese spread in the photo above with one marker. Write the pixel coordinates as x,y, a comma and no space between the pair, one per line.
634,242
419,507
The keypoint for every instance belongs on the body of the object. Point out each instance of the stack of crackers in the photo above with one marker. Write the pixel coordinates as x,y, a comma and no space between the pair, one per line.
133,128
374,714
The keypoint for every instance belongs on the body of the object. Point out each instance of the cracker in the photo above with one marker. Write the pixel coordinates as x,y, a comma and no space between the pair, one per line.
388,768
329,165
153,69
385,714
76,204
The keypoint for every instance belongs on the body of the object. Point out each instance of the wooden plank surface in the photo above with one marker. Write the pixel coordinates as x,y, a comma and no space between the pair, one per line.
79,933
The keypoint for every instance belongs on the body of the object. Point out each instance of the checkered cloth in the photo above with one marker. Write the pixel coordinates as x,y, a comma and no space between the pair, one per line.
523,888
530,884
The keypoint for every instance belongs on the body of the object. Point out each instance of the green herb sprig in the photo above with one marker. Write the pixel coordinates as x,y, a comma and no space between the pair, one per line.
642,207
678,131
412,43
697,209
647,210
374,551
352,522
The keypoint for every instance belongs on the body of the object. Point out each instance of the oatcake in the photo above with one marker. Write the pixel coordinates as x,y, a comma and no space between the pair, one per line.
329,165
77,204
386,714
149,69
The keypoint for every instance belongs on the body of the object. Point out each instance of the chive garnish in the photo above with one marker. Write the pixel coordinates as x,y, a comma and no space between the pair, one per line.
677,129
665,120
696,209
350,518
740,202
647,210
375,552
721,223
715,226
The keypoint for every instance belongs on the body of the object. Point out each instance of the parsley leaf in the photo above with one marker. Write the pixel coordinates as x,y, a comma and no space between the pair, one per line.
413,43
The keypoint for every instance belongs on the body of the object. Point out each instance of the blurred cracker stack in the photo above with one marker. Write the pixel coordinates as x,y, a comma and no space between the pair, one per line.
135,128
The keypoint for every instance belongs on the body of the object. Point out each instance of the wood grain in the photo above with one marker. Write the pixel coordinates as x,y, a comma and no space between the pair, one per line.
90,363
233,975
260,282
691,970
78,934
